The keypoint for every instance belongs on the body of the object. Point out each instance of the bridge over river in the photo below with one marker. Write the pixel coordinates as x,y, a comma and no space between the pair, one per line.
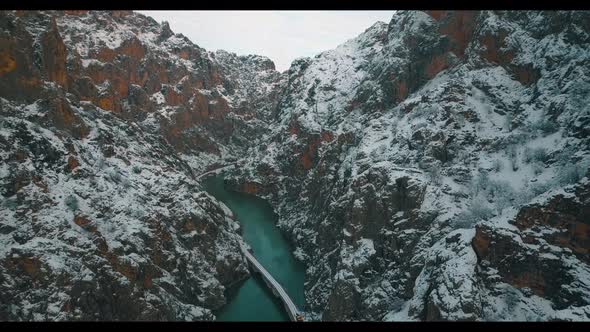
277,289
261,298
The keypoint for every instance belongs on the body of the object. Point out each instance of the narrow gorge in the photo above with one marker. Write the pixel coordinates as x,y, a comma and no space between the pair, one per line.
435,167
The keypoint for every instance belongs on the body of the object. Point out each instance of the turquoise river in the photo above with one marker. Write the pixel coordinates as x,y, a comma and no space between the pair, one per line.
251,300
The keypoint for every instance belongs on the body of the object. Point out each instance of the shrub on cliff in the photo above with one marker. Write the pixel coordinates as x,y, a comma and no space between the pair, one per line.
71,202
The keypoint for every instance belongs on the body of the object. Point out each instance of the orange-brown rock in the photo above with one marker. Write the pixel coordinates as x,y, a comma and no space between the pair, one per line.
309,154
401,90
530,279
119,75
526,74
75,12
306,158
20,155
327,136
352,105
562,221
85,223
97,73
66,307
40,182
31,266
106,54
107,103
481,243
28,83
188,53
436,14
72,163
63,117
19,77
21,13
173,98
147,281
125,269
183,54
20,181
86,89
188,226
214,76
436,65
458,27
176,133
155,74
514,265
7,63
55,55
568,218
493,51
132,48
200,106
250,187
219,108
294,127
121,13
119,86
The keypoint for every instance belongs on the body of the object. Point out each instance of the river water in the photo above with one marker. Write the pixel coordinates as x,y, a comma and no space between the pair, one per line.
251,300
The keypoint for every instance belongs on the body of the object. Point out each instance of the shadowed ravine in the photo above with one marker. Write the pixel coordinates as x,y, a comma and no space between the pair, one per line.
252,300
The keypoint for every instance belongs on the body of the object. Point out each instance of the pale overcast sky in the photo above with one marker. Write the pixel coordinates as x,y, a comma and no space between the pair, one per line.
280,35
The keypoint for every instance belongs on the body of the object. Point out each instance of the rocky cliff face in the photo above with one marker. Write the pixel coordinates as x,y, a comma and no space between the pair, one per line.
435,168
106,120
132,66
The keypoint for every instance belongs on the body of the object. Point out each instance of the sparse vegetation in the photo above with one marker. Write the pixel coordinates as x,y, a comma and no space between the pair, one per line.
527,155
545,126
512,299
539,188
114,175
476,212
540,154
100,162
564,155
422,111
571,174
134,213
10,203
434,174
125,182
487,195
136,169
508,121
498,165
35,127
479,183
537,168
502,194
513,157
71,202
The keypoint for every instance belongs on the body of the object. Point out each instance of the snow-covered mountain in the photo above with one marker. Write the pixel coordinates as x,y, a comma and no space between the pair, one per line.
434,167
107,119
